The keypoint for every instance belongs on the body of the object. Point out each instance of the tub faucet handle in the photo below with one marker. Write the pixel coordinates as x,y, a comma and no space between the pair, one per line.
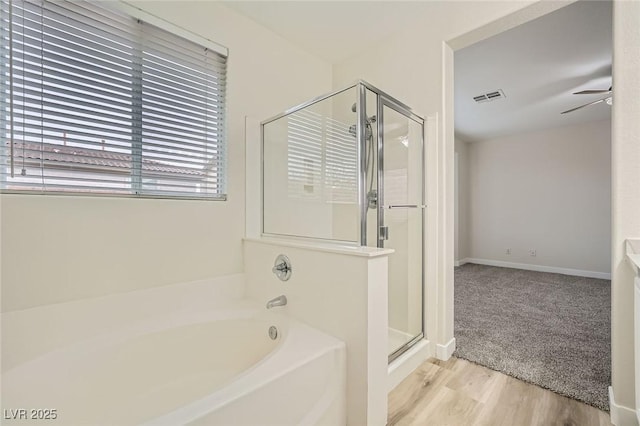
277,301
282,267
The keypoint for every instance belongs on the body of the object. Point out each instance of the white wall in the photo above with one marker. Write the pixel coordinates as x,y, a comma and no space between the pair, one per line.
57,249
548,190
626,194
462,208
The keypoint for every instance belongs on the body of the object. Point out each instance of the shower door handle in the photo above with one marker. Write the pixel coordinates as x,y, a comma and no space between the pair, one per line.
405,206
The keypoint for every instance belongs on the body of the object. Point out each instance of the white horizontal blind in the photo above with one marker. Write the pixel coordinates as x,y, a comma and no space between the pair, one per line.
304,155
321,158
341,170
96,101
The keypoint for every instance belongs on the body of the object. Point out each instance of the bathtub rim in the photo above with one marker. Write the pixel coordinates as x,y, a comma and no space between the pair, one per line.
297,329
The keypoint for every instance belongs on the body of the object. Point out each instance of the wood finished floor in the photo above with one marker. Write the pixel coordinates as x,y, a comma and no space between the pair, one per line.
460,393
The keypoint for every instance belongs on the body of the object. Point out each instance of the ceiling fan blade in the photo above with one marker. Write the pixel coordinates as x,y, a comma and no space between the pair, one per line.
594,92
585,105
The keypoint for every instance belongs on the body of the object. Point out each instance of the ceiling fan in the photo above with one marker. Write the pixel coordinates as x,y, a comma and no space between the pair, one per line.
607,99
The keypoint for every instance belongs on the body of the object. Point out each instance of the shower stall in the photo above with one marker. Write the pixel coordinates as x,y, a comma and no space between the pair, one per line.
348,168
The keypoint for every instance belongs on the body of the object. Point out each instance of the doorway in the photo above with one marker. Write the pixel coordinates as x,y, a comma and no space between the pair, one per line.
534,202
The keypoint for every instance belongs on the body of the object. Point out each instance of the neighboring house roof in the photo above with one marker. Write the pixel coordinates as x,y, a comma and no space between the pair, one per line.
92,160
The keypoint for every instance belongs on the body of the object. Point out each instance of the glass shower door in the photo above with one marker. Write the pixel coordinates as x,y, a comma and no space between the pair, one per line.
400,219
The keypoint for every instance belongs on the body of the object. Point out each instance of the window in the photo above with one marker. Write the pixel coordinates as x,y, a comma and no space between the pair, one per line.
94,100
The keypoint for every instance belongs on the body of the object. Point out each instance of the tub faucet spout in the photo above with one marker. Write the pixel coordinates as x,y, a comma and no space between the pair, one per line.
278,301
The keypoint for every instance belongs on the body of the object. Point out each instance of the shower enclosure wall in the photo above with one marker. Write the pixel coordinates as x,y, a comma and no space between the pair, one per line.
348,168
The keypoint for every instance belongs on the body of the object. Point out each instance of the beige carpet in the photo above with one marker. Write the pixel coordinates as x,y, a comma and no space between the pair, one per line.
551,330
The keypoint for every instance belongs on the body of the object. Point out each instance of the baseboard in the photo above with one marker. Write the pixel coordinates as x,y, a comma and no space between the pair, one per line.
541,268
444,352
460,262
620,415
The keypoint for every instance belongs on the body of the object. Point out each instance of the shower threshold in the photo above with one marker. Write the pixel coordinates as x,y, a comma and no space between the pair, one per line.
398,339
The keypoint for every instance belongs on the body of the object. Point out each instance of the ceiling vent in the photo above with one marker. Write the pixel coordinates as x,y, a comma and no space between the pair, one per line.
490,96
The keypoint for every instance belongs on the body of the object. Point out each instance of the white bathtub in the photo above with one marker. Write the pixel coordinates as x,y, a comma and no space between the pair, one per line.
213,368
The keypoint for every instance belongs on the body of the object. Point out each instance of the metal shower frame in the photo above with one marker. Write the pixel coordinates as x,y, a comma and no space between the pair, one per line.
382,99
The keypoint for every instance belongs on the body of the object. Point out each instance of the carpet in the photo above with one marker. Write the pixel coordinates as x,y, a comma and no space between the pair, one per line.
551,330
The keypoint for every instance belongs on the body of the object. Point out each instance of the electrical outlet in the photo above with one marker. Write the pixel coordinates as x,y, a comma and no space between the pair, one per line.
532,252
508,251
